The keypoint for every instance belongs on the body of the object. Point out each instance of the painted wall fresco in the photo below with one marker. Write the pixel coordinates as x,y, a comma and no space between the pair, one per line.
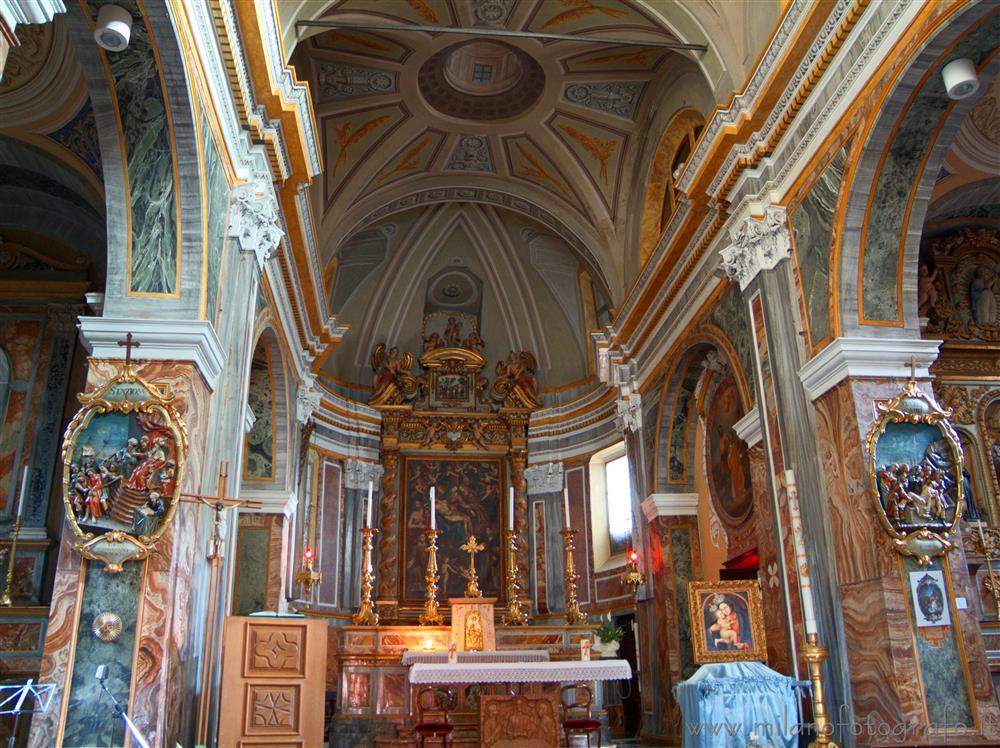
812,229
730,316
679,425
259,460
904,161
727,465
89,719
468,502
155,257
80,136
217,204
21,342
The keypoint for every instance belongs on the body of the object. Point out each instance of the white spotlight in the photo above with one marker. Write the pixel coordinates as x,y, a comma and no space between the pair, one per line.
960,78
114,28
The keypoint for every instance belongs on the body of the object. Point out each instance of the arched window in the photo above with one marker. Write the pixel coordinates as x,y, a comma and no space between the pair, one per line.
610,505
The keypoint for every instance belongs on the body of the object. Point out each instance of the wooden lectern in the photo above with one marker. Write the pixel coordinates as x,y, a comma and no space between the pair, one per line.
273,681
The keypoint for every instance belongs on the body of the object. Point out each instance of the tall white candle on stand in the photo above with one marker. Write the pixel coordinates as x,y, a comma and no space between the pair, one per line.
433,518
24,492
510,513
566,506
801,563
371,489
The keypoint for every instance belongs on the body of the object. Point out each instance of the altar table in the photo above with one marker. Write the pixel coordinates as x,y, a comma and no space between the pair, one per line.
566,671
411,656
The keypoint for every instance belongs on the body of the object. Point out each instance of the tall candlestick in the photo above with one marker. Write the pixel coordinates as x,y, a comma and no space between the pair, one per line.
510,513
371,489
566,507
24,492
801,563
433,518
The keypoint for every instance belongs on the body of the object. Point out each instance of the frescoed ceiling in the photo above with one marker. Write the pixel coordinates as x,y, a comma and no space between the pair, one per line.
546,131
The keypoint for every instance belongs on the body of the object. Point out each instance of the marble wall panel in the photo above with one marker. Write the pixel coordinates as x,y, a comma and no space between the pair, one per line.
21,341
579,506
812,230
217,204
730,316
540,567
251,570
154,257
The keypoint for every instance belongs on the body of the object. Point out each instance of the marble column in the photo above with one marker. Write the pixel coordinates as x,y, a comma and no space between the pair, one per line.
518,464
898,676
674,561
389,508
152,665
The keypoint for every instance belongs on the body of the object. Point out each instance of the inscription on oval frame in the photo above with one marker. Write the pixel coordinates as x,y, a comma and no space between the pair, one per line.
915,471
123,462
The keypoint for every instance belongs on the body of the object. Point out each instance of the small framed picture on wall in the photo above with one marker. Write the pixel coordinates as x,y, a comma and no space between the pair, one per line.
727,621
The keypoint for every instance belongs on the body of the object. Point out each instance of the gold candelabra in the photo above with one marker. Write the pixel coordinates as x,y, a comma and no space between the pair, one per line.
431,616
815,655
5,599
573,612
366,615
516,615
989,542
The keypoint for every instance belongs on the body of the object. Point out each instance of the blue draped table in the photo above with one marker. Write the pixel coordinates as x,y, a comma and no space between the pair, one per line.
723,703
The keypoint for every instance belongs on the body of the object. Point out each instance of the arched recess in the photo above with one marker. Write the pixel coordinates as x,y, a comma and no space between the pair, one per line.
660,198
891,181
149,152
267,448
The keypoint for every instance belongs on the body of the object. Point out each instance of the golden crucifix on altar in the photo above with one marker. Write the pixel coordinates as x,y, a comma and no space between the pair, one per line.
472,547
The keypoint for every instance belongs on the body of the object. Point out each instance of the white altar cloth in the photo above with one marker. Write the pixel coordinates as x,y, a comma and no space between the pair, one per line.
520,672
413,656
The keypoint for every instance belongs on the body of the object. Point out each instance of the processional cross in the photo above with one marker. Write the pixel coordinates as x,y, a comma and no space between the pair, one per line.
472,547
220,504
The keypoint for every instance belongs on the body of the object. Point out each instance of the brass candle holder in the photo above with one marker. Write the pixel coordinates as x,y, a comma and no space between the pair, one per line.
516,615
308,576
573,612
633,577
431,616
15,530
815,655
366,615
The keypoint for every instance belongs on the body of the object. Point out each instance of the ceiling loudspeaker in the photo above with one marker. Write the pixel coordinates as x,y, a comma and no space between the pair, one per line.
960,78
114,28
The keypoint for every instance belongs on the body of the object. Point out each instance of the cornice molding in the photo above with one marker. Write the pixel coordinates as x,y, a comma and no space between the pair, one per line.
748,427
670,505
882,358
161,340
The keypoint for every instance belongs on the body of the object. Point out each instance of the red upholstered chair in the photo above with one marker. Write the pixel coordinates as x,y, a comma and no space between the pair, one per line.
573,721
433,705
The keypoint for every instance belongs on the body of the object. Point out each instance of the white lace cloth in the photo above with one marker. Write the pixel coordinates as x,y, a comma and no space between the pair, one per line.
520,672
411,657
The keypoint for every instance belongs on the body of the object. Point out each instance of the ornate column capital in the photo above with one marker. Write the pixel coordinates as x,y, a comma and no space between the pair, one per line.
544,478
628,416
307,400
14,12
253,220
358,473
758,244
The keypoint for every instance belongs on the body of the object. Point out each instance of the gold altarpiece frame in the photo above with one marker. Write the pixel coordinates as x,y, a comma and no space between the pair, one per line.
448,428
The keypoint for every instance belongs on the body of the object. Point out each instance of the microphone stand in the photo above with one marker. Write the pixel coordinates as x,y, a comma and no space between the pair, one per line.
120,713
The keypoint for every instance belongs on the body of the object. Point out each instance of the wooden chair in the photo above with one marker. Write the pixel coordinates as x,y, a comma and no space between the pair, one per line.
576,724
436,701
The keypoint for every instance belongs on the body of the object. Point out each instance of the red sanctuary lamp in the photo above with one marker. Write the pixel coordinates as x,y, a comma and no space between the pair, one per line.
308,576
632,575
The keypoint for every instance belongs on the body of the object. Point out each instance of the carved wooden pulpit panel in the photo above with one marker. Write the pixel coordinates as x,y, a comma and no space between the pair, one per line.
275,668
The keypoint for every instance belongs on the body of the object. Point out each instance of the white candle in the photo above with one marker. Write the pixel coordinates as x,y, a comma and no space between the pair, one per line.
371,488
433,520
510,514
801,563
566,505
24,492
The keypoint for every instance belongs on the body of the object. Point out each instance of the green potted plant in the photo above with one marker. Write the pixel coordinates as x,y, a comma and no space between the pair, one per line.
609,637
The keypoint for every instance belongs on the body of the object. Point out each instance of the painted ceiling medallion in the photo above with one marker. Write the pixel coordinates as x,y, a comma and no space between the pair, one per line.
479,80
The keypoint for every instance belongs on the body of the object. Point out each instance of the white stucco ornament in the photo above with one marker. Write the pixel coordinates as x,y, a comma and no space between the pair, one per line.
758,244
253,220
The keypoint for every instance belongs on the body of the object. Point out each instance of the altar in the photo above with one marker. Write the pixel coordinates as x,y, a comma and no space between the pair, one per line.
381,669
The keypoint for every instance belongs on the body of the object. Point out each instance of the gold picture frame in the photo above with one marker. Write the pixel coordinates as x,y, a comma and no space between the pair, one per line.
123,458
915,473
727,622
